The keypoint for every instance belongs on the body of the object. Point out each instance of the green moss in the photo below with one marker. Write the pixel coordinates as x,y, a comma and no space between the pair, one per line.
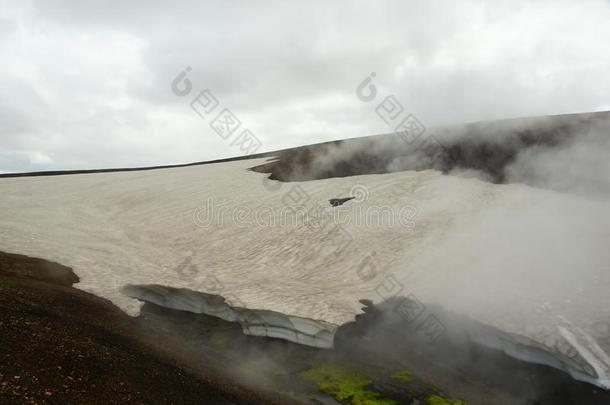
220,337
344,383
402,375
438,400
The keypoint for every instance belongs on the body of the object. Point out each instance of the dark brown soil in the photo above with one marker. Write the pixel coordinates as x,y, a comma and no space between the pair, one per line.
60,345
30,268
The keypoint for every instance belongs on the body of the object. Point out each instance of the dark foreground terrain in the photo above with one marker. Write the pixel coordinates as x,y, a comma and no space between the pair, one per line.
381,359
60,345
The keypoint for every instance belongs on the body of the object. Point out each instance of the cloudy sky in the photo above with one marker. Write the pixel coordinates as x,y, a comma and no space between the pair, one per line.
88,84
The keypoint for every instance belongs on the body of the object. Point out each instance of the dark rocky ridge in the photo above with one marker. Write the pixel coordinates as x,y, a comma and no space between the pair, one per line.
487,147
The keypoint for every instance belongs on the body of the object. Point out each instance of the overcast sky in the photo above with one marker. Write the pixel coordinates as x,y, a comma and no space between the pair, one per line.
87,84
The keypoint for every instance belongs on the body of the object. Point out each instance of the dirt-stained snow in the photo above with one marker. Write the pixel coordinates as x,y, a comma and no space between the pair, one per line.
512,256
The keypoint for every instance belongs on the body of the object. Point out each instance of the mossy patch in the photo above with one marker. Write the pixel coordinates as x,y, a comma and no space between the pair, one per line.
220,337
402,375
345,383
438,400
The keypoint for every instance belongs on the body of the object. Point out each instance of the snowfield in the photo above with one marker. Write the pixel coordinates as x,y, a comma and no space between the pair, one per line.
528,261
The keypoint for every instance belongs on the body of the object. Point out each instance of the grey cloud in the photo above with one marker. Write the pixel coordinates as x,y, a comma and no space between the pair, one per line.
273,62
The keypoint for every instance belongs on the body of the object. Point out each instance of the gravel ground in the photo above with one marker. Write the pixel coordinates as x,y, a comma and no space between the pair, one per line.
61,345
